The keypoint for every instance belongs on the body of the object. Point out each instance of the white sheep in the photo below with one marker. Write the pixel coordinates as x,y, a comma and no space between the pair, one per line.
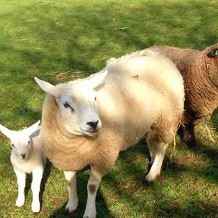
89,121
26,157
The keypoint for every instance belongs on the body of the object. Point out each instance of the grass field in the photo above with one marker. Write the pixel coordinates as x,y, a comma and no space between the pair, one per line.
62,40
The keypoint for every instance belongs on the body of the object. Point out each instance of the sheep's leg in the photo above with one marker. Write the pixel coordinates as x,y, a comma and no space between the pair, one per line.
152,151
92,187
188,135
21,181
158,153
35,186
72,203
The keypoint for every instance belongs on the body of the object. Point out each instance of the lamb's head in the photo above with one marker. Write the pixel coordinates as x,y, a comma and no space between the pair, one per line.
21,141
211,60
76,101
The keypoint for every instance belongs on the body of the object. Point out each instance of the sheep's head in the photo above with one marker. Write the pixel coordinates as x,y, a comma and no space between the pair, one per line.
77,105
21,141
212,63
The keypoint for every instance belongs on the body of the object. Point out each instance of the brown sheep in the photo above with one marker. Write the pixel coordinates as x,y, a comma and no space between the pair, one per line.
200,72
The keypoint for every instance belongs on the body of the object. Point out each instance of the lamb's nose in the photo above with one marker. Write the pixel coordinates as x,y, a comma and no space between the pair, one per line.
93,124
23,155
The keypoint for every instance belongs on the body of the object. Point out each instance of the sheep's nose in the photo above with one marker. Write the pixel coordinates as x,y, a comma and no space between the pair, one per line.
93,124
23,155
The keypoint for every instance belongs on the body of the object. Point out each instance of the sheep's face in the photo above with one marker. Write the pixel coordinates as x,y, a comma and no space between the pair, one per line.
212,63
78,110
77,104
21,141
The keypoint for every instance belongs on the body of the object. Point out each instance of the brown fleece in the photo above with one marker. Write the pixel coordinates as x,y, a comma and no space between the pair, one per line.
200,72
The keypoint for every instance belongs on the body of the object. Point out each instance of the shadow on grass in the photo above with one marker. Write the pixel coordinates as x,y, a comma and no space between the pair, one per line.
197,203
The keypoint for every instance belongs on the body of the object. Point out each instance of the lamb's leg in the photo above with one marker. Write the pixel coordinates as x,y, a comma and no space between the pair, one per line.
72,203
21,181
158,153
35,186
92,187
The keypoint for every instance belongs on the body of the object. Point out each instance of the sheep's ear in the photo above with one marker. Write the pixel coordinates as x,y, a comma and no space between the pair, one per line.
7,132
97,79
33,128
47,87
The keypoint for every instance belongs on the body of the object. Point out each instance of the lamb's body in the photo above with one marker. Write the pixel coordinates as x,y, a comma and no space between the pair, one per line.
35,160
26,157
137,98
200,72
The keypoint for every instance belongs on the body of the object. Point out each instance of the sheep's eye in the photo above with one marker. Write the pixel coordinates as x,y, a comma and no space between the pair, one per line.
12,145
28,143
213,53
66,105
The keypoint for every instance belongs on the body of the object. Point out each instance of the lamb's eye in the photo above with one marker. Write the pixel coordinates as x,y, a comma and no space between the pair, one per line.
12,145
28,143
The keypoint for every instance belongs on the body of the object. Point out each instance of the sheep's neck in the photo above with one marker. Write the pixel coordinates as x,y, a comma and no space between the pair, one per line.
61,149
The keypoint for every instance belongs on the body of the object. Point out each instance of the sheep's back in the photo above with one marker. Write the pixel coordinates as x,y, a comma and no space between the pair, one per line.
137,90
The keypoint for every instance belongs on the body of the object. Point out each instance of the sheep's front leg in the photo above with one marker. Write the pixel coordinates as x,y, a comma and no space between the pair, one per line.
92,187
72,203
21,181
35,186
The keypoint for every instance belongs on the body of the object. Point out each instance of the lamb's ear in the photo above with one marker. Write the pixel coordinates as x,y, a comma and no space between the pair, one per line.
47,87
33,128
7,132
97,79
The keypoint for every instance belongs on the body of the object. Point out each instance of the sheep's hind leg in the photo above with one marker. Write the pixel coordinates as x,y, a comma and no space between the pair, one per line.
157,151
35,186
21,181
72,203
92,187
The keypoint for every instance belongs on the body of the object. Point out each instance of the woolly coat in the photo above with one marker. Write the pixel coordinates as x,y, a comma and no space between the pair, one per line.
142,93
200,72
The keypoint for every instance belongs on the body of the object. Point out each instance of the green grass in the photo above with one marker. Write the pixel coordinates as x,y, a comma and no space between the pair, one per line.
62,40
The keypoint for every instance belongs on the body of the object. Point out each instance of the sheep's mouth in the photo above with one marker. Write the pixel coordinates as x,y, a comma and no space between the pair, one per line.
92,133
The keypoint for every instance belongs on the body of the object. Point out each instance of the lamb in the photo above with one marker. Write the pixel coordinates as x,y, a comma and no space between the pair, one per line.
26,157
200,72
89,121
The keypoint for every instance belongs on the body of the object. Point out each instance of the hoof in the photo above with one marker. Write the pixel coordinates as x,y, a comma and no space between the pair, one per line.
36,207
19,202
149,178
